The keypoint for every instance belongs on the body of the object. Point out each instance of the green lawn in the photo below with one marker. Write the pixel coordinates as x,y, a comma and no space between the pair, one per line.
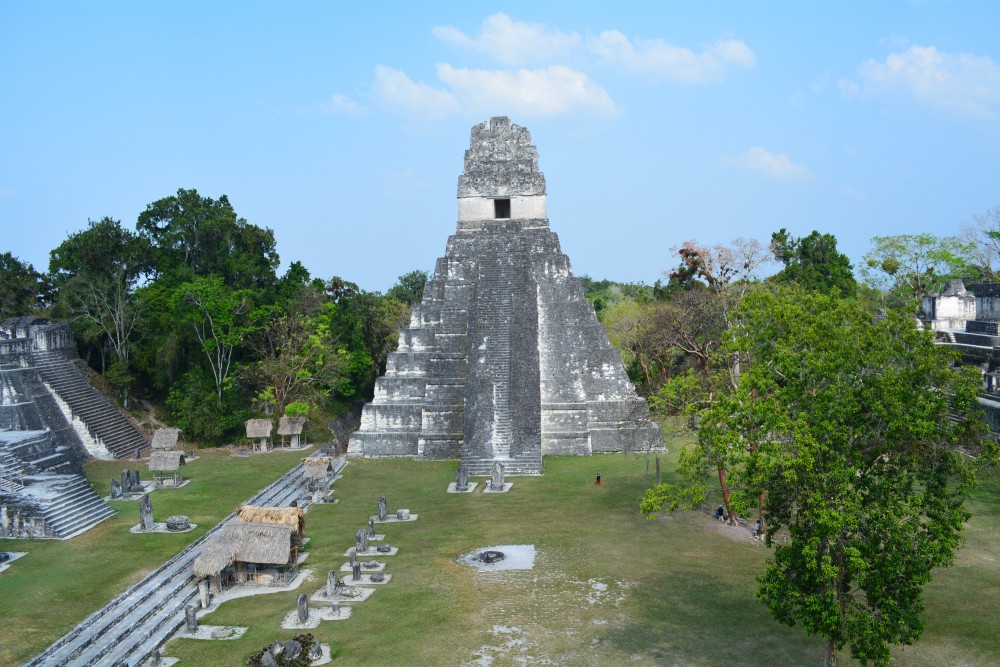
608,587
44,594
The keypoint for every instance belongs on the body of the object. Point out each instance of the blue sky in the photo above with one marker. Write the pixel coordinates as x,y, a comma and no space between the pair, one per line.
342,126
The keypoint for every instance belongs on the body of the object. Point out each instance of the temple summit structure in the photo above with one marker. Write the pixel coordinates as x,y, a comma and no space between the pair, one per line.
504,359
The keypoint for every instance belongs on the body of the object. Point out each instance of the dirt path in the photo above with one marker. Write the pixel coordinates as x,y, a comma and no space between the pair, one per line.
149,414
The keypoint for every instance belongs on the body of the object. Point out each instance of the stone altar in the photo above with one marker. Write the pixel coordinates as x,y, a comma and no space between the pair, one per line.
504,359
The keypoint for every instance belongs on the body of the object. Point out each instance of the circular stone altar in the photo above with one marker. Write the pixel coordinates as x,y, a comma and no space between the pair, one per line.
490,556
506,557
178,523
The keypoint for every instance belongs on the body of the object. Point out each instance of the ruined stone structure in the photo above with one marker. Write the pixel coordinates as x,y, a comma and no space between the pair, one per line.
51,420
45,389
969,321
504,359
950,308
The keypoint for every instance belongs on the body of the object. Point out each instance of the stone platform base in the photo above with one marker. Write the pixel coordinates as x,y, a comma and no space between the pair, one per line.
346,567
371,553
172,486
366,580
14,555
319,596
209,632
160,528
505,489
147,486
292,622
452,488
392,519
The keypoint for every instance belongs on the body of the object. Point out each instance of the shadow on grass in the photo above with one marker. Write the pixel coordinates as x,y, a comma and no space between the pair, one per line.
687,618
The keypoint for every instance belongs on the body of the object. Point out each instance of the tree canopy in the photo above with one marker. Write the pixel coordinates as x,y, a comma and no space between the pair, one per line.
854,436
813,262
200,236
21,287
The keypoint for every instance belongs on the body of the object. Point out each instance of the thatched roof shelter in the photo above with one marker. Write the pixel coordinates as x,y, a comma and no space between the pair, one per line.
165,438
288,516
259,428
291,425
245,542
317,467
161,461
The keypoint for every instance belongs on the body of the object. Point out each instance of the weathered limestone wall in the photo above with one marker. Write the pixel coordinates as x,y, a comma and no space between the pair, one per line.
521,208
949,309
504,359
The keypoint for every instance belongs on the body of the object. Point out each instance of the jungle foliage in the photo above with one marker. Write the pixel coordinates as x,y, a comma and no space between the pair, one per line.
185,309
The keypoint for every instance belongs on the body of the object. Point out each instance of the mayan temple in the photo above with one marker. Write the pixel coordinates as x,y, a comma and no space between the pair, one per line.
504,360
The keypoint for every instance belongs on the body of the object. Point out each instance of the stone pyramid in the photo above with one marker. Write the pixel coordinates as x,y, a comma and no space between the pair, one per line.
504,360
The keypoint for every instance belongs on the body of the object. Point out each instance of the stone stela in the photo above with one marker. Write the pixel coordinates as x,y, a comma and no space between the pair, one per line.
504,359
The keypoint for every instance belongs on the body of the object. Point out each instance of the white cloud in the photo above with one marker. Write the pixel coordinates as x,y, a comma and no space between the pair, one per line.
670,62
543,92
961,84
342,104
798,99
6,192
549,91
848,88
852,192
513,42
780,167
396,89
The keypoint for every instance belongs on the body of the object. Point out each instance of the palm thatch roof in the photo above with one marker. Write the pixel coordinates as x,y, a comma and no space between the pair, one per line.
318,466
288,516
259,428
165,438
291,425
161,461
245,542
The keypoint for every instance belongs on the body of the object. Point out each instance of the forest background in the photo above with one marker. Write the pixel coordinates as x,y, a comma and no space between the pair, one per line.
185,310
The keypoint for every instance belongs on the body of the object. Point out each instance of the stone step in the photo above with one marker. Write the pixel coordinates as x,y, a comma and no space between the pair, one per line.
137,622
105,423
76,511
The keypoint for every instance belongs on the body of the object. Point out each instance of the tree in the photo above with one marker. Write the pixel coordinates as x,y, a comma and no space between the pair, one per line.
983,235
813,262
221,319
720,265
915,264
20,287
297,362
409,289
693,323
201,236
96,272
856,436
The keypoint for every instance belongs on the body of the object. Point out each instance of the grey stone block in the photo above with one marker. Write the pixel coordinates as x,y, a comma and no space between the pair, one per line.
513,361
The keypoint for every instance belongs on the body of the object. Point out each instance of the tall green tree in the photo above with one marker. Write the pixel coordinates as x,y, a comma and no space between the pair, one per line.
813,262
914,264
856,436
221,320
96,272
409,289
200,236
296,362
21,287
